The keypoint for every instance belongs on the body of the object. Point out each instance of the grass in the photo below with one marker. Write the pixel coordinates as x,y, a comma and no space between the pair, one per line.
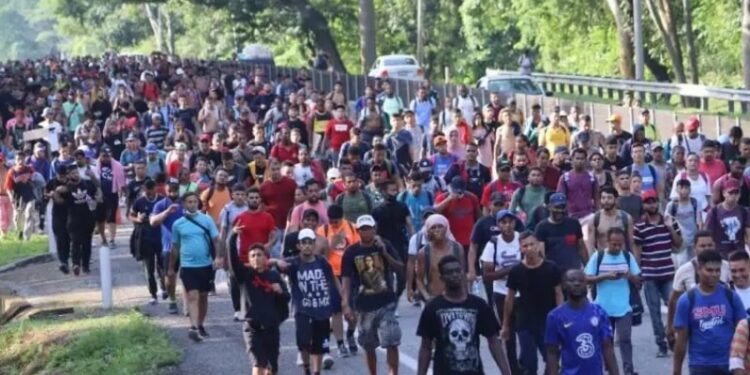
12,249
124,343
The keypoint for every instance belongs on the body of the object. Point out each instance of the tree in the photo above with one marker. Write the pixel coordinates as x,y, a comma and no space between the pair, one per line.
625,40
367,38
746,42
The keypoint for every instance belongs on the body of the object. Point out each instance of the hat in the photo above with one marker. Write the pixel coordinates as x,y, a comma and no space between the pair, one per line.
692,124
657,146
503,164
181,146
333,173
649,194
425,164
730,184
457,185
47,112
306,234
439,140
502,214
497,197
205,137
562,114
615,118
259,150
156,115
151,148
105,150
40,146
131,137
365,221
179,71
558,199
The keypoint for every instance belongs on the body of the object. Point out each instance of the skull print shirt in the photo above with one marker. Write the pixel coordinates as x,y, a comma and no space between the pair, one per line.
455,329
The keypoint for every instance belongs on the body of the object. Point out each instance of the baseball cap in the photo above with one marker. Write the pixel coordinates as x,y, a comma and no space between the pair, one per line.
503,164
730,184
151,148
657,146
458,185
105,150
156,115
179,71
560,150
306,234
181,146
562,114
40,146
439,140
502,214
425,164
205,137
365,221
497,197
333,173
131,137
47,112
615,117
649,194
558,199
692,123
259,150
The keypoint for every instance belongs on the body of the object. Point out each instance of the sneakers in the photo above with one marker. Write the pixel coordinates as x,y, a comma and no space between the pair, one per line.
352,344
417,303
299,359
153,301
112,245
327,361
64,269
86,270
76,270
662,352
343,351
194,335
163,293
173,308
202,332
237,316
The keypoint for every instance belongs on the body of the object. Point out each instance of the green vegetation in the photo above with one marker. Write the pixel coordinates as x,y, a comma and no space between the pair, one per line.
126,343
12,249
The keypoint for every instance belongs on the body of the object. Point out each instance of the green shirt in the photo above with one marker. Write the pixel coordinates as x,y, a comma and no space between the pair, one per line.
532,197
74,113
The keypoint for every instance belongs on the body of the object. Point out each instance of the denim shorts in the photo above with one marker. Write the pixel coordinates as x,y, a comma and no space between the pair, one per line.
379,328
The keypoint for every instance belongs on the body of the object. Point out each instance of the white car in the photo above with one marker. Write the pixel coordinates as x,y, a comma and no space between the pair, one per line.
397,66
511,84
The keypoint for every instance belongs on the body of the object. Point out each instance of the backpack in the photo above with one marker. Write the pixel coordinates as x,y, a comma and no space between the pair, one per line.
428,249
636,305
597,216
673,208
727,294
594,182
651,170
684,176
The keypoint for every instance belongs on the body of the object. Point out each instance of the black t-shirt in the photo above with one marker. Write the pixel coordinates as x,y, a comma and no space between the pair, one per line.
213,156
134,190
561,242
151,233
455,329
537,289
290,245
77,199
476,178
260,308
101,109
616,165
371,276
59,211
187,115
391,218
116,143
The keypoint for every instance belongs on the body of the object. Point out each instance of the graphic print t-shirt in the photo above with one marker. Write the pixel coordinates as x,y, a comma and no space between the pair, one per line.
371,278
106,179
455,329
78,202
312,288
710,323
728,228
580,334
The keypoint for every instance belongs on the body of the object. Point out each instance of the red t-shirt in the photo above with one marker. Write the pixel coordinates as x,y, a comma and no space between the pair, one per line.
283,153
506,188
278,197
337,132
174,167
257,227
460,215
713,169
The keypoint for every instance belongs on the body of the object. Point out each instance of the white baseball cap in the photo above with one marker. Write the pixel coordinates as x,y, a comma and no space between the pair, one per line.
333,173
365,221
306,234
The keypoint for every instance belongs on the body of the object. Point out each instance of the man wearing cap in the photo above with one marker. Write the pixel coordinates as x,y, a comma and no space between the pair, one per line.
587,137
615,129
157,132
461,208
475,174
337,131
367,277
503,184
205,151
498,257
181,161
154,162
561,236
728,221
693,140
654,237
736,170
652,133
111,176
442,159
433,184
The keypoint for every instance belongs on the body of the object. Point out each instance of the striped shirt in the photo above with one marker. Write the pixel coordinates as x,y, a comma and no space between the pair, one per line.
739,355
156,136
655,241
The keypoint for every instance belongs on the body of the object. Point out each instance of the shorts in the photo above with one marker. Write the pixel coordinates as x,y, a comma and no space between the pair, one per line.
106,211
197,278
313,336
379,328
336,299
263,346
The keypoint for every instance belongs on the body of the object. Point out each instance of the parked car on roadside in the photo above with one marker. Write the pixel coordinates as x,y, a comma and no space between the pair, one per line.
397,66
511,83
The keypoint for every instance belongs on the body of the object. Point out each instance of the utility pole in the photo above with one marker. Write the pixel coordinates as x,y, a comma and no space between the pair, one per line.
420,31
638,38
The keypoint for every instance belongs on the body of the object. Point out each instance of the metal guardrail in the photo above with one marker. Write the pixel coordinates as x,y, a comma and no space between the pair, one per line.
577,84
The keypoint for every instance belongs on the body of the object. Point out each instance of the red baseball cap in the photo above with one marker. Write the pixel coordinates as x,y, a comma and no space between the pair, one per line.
730,184
692,123
649,194
205,137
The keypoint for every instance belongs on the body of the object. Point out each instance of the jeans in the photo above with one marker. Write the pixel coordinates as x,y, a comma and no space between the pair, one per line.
657,291
532,341
152,264
709,370
62,239
510,345
80,239
621,326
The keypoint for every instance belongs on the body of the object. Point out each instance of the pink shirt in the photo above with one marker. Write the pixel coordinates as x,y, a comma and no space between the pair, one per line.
295,219
713,169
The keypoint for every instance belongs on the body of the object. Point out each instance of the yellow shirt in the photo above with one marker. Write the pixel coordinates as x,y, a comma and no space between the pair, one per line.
555,137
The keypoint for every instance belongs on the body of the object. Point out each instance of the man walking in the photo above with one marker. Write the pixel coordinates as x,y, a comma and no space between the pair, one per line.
561,237
147,246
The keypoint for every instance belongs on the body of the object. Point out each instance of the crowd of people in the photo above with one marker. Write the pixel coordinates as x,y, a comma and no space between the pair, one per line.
497,222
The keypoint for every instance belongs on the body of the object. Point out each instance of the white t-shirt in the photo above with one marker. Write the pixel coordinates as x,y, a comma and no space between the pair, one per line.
302,174
508,254
684,278
744,296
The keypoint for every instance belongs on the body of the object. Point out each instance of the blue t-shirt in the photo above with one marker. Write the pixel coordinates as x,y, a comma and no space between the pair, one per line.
166,225
712,321
313,291
648,178
416,205
580,334
612,295
440,163
192,241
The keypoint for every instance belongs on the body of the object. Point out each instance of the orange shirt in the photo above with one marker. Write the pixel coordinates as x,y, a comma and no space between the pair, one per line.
339,238
218,200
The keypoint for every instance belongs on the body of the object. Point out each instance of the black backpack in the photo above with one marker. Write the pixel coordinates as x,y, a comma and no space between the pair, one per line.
597,217
636,305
